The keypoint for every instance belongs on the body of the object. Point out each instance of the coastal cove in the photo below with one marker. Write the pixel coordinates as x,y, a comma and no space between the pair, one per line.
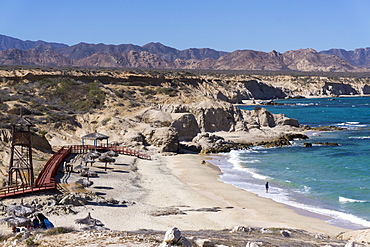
195,179
332,181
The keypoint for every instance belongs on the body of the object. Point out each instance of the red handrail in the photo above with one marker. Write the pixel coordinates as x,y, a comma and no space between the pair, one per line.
45,179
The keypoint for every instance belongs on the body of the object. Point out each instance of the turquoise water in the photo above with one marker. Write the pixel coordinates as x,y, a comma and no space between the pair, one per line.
331,181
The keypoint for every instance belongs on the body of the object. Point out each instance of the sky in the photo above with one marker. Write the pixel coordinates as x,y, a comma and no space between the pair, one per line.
261,25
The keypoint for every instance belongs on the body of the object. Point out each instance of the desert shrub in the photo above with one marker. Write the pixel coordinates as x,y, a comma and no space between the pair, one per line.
71,94
58,230
30,241
105,121
43,132
167,90
148,91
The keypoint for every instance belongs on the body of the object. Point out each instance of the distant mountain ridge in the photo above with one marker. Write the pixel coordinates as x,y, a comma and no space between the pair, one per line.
158,56
358,57
7,43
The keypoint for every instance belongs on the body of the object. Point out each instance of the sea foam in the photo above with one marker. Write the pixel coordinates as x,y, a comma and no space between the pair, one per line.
348,200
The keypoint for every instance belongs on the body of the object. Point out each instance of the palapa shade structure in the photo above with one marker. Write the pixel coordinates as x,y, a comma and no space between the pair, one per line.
106,159
20,210
95,137
81,168
88,220
16,215
92,155
15,221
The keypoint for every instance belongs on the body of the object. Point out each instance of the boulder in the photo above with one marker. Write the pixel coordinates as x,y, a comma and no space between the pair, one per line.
212,116
209,143
165,138
350,244
203,243
155,117
260,117
285,233
253,244
133,138
263,117
186,126
333,144
266,231
172,236
241,229
281,119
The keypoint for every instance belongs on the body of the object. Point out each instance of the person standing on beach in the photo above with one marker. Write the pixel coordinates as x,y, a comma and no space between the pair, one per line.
267,187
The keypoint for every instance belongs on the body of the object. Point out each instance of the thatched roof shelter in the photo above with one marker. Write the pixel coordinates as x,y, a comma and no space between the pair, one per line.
111,153
84,182
81,168
88,220
20,210
106,159
15,221
93,155
17,215
95,137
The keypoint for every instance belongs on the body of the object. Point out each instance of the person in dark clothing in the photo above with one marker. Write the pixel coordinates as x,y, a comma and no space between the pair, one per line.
36,223
267,187
41,218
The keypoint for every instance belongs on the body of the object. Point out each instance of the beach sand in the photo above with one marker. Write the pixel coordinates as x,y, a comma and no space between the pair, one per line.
184,192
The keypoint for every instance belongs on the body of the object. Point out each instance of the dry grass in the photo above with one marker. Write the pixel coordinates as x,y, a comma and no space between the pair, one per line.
154,238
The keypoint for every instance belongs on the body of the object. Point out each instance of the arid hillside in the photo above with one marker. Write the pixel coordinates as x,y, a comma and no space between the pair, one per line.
148,108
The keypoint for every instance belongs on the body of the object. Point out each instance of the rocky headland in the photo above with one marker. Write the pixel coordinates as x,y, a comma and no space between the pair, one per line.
155,111
158,111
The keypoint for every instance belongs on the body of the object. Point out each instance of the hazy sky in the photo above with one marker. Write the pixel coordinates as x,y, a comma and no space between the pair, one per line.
229,25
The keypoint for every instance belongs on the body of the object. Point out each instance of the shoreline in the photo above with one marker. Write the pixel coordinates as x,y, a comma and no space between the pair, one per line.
329,216
184,192
261,213
250,101
300,211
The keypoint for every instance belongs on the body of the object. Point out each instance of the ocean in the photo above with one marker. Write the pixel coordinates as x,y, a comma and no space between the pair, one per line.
332,181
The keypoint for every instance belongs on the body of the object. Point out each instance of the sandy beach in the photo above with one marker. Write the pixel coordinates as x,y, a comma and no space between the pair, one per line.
181,191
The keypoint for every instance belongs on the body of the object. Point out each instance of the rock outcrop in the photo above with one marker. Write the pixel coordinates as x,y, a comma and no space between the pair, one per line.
261,117
165,138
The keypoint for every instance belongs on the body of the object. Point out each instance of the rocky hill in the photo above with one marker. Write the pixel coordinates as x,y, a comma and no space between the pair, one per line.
158,56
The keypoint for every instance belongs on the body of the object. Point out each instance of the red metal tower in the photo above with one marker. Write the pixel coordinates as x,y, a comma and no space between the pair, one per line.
20,165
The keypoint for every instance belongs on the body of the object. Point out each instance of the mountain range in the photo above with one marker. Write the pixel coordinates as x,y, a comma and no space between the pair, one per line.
158,56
